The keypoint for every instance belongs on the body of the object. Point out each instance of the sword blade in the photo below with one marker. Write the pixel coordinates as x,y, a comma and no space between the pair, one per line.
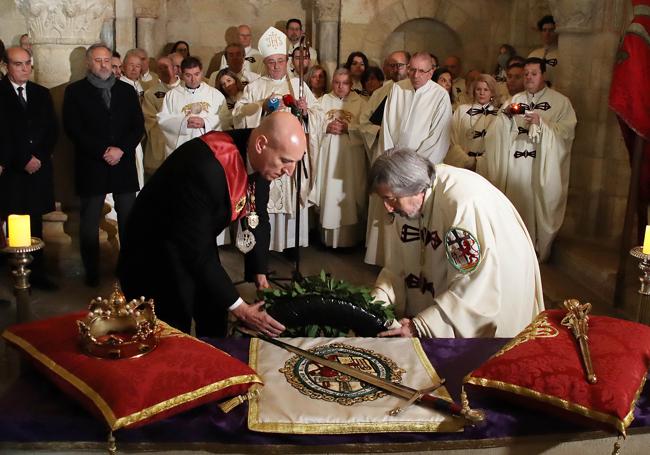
399,390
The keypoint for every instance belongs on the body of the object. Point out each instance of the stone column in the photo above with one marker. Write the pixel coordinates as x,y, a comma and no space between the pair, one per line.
328,33
60,31
599,167
107,35
145,34
124,26
57,28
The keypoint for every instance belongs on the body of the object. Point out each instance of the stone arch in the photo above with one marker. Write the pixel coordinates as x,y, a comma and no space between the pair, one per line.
463,19
423,34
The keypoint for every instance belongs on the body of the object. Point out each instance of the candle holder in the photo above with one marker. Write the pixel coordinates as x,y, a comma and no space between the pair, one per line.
644,289
20,257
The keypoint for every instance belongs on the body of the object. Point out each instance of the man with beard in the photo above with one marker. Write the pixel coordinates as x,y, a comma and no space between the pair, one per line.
103,118
462,264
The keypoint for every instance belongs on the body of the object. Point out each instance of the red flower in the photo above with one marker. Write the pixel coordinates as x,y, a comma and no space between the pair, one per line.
288,100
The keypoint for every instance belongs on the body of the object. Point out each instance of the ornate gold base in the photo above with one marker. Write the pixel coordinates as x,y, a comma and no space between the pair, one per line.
20,258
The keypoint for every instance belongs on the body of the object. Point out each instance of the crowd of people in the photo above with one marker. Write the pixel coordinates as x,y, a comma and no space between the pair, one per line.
505,137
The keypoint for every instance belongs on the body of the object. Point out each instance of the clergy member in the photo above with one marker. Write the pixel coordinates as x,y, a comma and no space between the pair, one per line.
340,189
527,155
463,265
252,57
170,255
190,109
548,51
234,55
152,103
418,113
370,120
260,98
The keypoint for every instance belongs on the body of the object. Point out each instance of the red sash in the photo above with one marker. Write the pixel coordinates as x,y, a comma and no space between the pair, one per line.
226,152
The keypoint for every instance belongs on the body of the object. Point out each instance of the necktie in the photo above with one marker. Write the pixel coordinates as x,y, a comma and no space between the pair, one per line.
21,97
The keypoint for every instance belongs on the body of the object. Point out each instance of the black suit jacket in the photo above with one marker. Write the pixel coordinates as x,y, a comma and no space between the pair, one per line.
93,127
25,133
169,249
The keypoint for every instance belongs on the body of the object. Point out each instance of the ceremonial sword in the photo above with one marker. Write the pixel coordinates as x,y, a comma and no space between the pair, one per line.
423,396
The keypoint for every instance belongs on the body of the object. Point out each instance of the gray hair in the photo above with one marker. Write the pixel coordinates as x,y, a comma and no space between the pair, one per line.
89,51
340,71
405,172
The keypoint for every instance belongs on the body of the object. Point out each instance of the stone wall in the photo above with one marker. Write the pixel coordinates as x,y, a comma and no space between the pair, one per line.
12,23
473,29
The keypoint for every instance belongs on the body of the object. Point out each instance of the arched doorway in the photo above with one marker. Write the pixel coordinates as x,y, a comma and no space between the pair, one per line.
424,34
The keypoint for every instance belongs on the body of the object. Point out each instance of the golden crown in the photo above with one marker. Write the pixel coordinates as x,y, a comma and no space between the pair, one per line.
117,329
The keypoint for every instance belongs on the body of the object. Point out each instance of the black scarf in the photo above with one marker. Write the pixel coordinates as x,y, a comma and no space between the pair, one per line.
104,85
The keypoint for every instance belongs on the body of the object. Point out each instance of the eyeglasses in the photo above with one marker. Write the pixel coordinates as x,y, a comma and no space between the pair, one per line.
397,65
419,71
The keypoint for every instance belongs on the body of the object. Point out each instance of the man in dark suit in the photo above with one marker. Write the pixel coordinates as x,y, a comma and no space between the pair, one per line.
169,251
102,117
28,133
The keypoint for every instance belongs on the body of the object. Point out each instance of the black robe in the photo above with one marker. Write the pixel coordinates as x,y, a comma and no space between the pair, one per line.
169,249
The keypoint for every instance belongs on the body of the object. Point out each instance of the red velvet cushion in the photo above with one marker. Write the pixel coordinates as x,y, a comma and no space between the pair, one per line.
179,374
542,366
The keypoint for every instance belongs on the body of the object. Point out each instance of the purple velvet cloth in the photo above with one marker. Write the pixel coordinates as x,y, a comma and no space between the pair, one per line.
33,410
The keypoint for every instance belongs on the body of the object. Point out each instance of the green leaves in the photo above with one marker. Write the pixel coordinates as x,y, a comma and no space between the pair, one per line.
326,286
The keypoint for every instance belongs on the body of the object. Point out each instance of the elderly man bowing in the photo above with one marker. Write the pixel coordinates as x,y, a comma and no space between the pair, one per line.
462,263
170,255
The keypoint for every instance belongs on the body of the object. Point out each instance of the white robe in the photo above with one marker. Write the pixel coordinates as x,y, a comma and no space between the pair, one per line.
139,154
418,120
340,187
282,194
549,54
376,241
503,292
537,186
468,135
313,55
152,102
180,104
253,61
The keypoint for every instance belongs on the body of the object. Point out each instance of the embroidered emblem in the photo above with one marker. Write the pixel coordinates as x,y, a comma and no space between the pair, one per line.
411,234
521,130
250,59
159,94
539,328
322,383
419,282
240,204
196,108
463,250
478,134
543,106
339,114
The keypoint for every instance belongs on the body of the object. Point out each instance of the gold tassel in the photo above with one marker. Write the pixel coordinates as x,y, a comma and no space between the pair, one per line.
231,404
617,445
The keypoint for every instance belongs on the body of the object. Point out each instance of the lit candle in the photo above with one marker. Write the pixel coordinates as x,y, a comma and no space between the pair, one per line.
646,241
19,231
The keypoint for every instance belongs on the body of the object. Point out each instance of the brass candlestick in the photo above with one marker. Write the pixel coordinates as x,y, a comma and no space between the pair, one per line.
644,291
19,258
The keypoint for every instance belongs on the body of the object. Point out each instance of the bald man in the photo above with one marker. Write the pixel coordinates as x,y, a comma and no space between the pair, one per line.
171,255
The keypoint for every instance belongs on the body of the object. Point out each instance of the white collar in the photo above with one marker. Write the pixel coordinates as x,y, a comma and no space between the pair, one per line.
15,86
